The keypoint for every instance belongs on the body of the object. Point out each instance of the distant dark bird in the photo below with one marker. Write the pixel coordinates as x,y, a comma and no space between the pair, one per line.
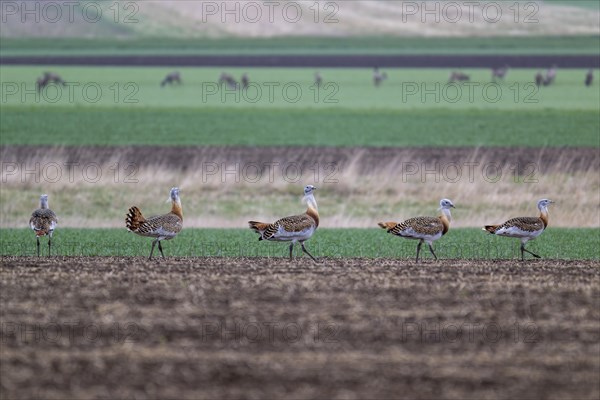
499,73
43,222
378,76
589,78
170,79
245,81
229,80
456,76
550,76
161,227
318,79
47,78
524,228
539,78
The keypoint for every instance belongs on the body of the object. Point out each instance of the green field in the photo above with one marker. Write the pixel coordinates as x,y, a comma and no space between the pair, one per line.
212,127
293,88
467,243
304,45
126,106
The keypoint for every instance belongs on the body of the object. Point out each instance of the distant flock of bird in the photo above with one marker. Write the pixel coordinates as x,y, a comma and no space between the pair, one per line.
229,80
299,228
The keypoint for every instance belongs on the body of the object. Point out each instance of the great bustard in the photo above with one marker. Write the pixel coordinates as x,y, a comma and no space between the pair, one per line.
456,76
318,79
589,78
297,228
228,80
423,229
524,228
550,76
47,78
245,80
378,76
499,73
43,222
162,227
539,78
171,78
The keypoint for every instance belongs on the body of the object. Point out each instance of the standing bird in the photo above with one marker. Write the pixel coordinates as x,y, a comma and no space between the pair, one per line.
43,222
48,78
228,80
524,228
297,228
589,78
318,79
550,76
378,77
539,79
245,80
171,78
423,229
499,73
457,76
162,227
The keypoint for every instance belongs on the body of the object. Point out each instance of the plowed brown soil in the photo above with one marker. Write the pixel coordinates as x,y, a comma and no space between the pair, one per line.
270,328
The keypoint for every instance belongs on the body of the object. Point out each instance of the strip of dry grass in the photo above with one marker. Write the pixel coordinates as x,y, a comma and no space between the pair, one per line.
225,187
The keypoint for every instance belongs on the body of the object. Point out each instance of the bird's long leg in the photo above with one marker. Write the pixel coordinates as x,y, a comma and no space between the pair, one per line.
49,244
533,254
160,248
418,250
306,251
152,250
431,249
523,250
291,249
38,245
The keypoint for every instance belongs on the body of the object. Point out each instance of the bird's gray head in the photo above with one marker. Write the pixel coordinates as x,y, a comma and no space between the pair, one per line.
44,201
308,198
174,194
446,204
308,189
543,204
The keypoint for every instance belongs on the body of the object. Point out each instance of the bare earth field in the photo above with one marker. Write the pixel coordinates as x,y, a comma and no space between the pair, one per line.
270,328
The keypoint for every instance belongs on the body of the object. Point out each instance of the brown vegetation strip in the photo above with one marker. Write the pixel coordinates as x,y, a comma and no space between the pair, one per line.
364,160
269,328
